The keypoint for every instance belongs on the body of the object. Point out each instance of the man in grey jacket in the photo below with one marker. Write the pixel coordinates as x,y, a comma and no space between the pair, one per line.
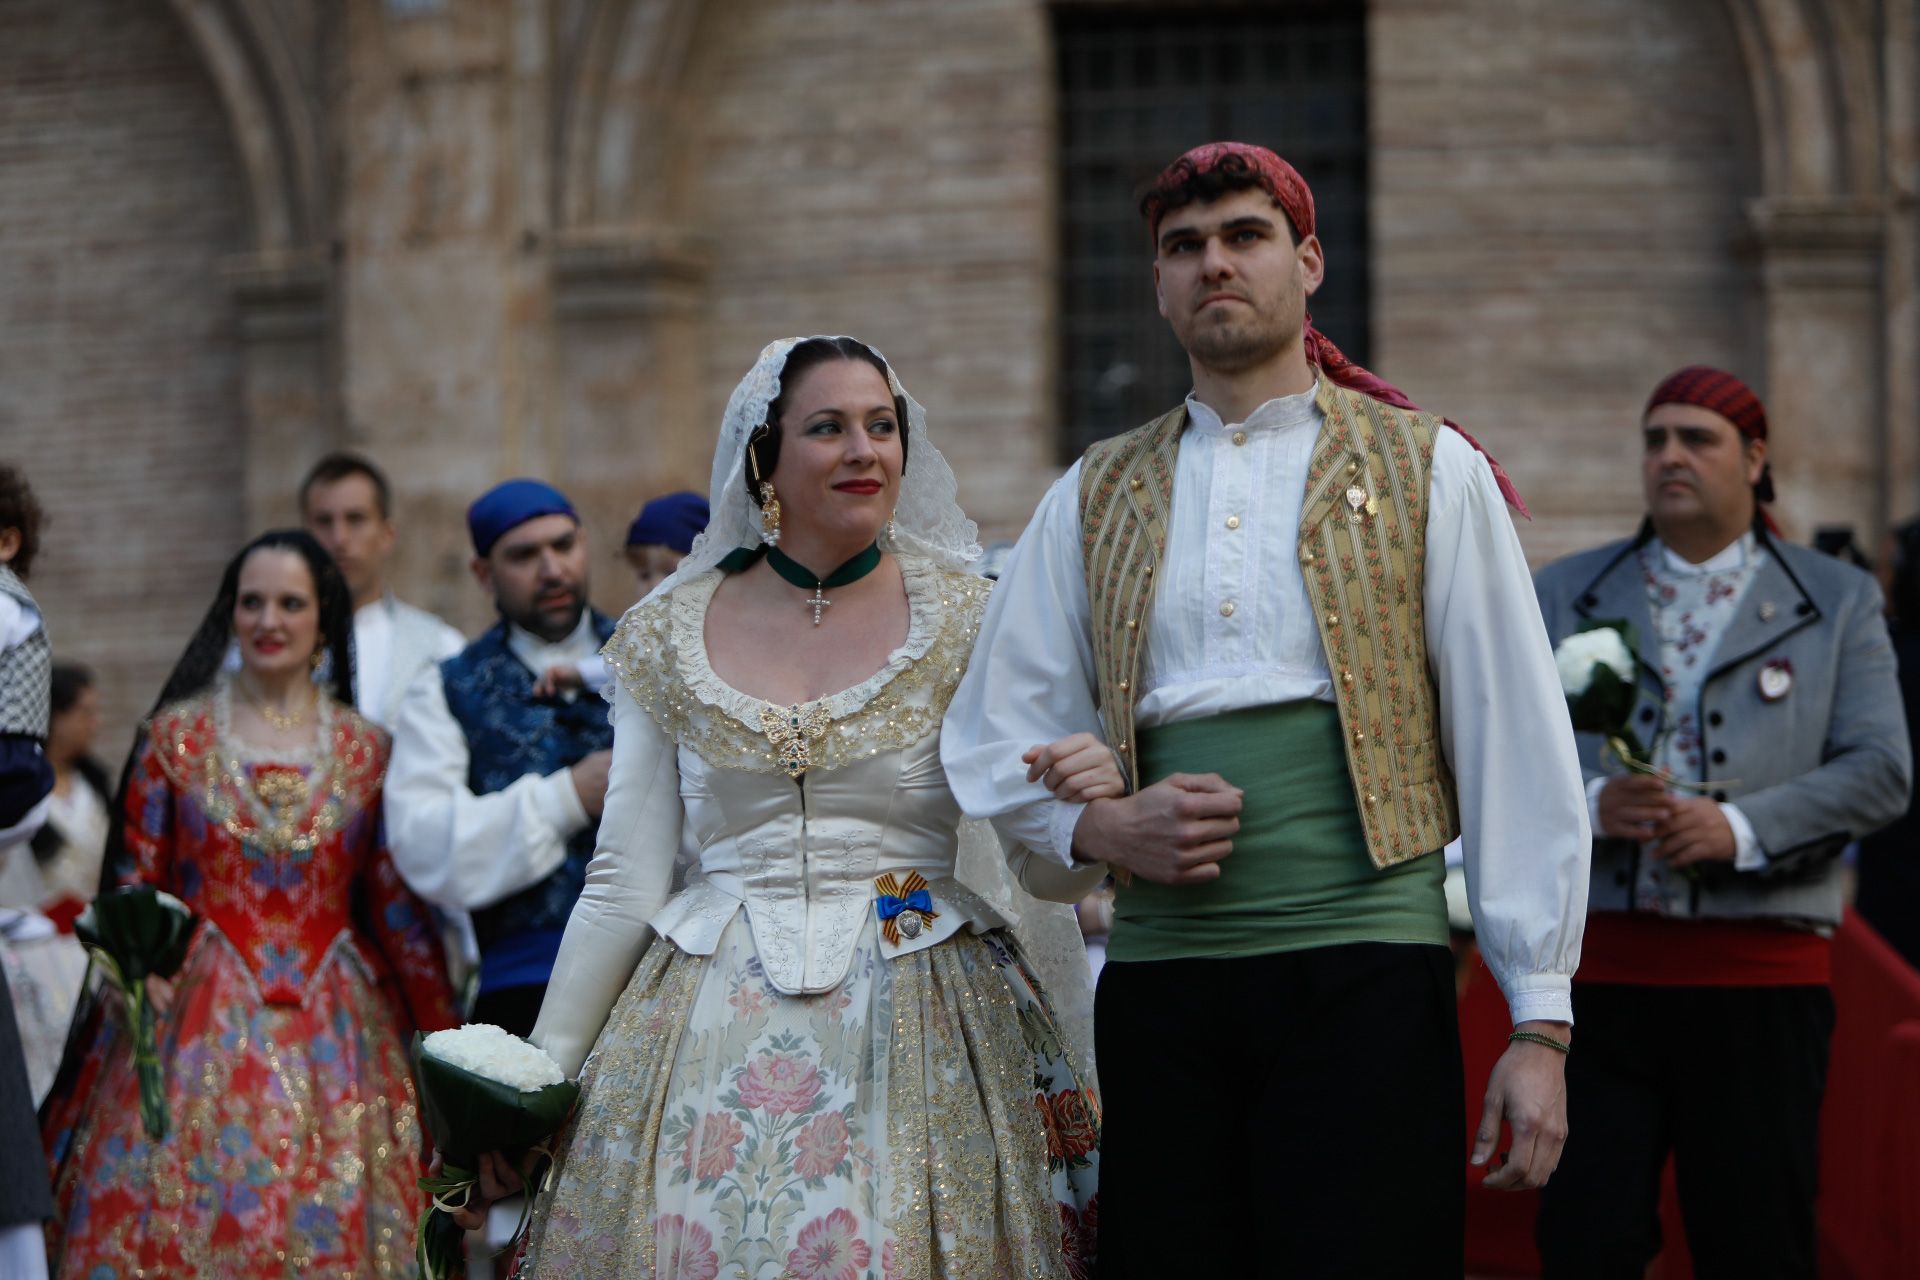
1767,694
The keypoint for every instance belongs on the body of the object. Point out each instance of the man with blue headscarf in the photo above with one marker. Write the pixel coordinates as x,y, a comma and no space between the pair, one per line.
494,792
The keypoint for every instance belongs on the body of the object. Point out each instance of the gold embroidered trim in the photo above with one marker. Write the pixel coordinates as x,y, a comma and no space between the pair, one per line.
274,807
659,655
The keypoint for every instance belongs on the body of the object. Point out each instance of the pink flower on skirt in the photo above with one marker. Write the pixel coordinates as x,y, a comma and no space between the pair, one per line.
889,1269
718,1135
822,1146
829,1249
684,1249
779,1083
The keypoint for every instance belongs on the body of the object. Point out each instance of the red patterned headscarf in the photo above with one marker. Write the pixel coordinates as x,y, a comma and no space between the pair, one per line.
1289,190
1720,392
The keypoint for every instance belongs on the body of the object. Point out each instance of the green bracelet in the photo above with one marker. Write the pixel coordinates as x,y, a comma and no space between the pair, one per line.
1537,1037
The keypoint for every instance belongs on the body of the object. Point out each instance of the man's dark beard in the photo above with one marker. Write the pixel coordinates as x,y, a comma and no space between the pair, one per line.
533,621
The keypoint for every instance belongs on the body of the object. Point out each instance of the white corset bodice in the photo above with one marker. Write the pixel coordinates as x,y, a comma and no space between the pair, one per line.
802,855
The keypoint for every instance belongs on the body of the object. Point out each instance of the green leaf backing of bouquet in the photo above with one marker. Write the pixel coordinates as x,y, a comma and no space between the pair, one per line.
468,1114
143,935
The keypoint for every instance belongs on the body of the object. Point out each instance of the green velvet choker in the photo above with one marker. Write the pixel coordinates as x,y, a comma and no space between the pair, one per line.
801,576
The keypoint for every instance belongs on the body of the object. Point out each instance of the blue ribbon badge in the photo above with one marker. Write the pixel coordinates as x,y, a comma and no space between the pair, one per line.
903,905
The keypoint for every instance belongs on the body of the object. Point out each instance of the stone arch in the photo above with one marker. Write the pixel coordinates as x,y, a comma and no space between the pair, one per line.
1836,256
255,56
618,97
264,60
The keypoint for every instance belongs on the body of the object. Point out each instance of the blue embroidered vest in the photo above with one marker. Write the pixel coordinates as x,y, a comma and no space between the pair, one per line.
510,734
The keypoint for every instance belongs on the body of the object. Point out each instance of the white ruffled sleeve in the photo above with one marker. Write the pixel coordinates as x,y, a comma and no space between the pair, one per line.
627,882
1031,681
1506,733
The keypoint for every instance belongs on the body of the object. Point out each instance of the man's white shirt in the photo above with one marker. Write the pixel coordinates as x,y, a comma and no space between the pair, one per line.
1232,627
468,851
393,642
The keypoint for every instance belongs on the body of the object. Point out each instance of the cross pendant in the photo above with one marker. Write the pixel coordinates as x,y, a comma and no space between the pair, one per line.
819,601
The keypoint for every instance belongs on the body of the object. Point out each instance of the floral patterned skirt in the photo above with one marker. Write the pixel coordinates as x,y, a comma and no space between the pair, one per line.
295,1139
920,1120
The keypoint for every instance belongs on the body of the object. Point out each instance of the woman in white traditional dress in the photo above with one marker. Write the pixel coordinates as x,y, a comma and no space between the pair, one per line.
836,1060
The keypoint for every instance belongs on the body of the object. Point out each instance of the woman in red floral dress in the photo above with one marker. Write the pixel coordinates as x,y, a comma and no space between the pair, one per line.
255,797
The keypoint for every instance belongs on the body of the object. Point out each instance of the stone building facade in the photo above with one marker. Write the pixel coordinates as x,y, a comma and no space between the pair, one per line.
478,238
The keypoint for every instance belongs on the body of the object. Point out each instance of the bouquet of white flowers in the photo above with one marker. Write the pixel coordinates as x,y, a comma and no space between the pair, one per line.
481,1089
133,932
1598,674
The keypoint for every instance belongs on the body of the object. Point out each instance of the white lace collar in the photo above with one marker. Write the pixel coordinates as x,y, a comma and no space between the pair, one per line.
660,657
692,601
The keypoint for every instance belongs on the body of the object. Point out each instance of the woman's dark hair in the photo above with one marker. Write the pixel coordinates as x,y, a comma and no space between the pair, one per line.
19,509
206,654
1903,596
763,445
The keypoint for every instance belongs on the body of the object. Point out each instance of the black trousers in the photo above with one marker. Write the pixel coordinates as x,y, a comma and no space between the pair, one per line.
1729,1080
513,1009
1298,1114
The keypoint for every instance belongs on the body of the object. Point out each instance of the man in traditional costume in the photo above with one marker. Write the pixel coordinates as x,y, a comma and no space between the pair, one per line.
347,504
1296,610
495,790
1767,688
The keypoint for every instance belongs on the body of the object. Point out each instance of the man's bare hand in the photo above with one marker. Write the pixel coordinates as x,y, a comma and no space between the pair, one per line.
1173,832
1633,806
1528,1089
1078,768
1696,830
590,781
498,1180
561,677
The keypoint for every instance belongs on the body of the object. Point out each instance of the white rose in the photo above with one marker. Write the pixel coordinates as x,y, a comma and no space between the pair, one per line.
487,1050
1579,653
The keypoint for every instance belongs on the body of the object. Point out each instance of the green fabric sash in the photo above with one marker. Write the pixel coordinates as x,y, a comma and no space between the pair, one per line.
1299,875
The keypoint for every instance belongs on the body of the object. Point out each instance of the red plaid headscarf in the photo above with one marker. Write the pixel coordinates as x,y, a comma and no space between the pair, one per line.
1289,190
1720,392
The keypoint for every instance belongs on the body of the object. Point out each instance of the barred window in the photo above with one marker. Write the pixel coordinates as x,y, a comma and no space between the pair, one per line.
1138,85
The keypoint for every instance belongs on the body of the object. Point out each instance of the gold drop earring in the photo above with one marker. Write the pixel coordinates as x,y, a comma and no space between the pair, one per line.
769,514
769,500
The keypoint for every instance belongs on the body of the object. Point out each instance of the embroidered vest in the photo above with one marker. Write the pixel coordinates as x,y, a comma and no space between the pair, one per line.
1364,563
25,671
510,734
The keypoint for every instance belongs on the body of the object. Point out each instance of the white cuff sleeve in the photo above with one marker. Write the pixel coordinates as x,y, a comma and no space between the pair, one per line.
1551,1000
1747,853
1594,787
560,803
593,673
1060,823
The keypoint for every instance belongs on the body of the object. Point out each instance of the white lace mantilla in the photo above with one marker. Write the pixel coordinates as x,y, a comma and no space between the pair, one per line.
659,654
